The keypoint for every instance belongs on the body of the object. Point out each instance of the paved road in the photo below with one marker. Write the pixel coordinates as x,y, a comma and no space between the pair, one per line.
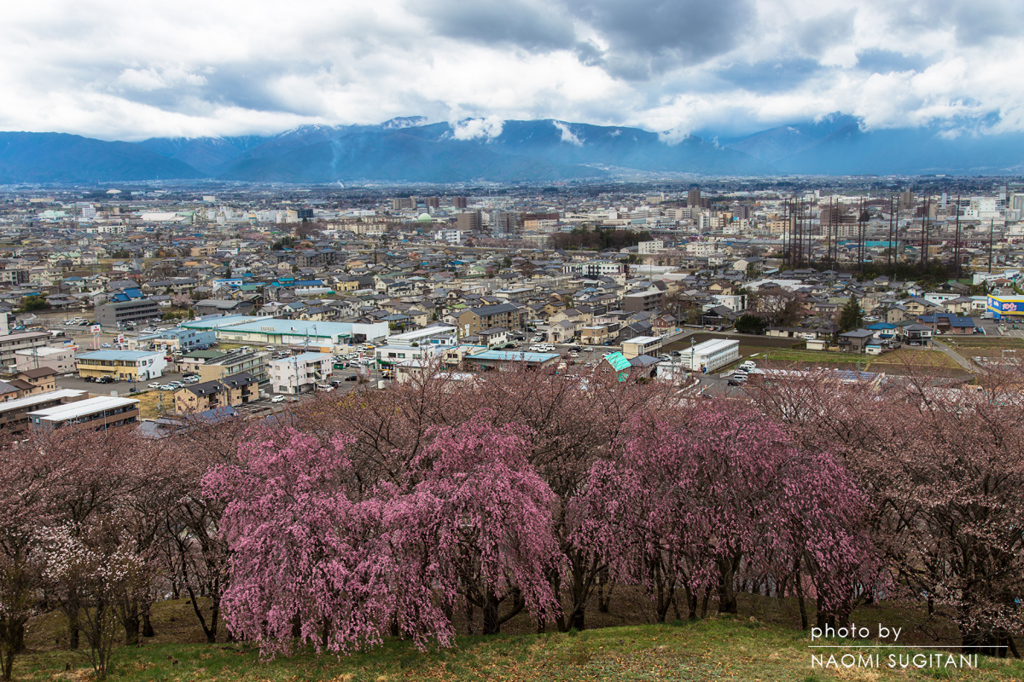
959,359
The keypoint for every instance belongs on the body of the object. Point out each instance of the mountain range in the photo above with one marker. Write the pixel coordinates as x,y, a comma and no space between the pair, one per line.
413,149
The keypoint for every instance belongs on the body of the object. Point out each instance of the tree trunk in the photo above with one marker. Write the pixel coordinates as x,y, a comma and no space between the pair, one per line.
691,602
131,623
73,629
604,592
726,587
17,635
803,603
490,609
147,623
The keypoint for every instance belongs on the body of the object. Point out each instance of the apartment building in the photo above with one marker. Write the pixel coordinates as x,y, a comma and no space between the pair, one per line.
118,313
60,360
99,413
232,391
14,413
643,301
235,362
475,320
10,344
123,365
300,373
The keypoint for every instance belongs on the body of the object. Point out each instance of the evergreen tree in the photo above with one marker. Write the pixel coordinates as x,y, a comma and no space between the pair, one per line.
852,315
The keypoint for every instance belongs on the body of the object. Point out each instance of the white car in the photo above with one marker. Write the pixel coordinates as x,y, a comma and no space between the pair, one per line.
155,384
167,387
277,399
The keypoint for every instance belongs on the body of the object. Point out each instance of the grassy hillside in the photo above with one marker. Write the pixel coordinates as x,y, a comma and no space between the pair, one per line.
744,648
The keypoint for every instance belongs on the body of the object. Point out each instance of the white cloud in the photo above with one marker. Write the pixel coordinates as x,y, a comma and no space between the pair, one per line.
567,134
131,70
477,128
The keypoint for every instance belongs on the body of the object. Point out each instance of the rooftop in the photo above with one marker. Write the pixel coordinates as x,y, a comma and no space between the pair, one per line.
118,354
40,398
82,408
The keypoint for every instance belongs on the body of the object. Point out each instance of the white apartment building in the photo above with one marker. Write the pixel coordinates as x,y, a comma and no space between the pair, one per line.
700,249
61,360
300,373
651,247
710,355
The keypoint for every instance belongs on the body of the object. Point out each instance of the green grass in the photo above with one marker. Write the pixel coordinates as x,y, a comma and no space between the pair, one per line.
898,361
713,649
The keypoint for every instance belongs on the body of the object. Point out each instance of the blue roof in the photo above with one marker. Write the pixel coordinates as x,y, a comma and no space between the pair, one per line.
881,325
954,320
617,360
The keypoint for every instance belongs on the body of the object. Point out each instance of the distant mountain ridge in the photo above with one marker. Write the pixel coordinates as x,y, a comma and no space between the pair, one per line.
411,149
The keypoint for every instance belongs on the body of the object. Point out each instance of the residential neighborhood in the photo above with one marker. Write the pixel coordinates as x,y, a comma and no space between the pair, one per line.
188,302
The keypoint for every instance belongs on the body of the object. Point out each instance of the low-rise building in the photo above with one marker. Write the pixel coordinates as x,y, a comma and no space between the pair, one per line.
124,365
232,391
641,345
711,355
118,313
42,379
183,340
99,413
10,344
60,359
14,413
856,340
235,362
300,373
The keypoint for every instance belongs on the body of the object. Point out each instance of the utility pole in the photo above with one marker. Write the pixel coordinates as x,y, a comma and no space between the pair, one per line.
860,236
888,244
991,237
924,237
956,247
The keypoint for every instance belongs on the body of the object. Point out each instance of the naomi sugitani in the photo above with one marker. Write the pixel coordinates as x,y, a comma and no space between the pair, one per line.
895,661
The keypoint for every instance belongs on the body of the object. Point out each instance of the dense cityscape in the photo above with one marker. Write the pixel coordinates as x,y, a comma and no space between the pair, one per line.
517,341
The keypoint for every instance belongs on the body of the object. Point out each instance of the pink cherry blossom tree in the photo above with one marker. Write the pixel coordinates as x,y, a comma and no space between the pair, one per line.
488,517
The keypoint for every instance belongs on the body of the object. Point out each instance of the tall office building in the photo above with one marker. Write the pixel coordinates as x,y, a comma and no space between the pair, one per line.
693,199
460,202
468,221
504,222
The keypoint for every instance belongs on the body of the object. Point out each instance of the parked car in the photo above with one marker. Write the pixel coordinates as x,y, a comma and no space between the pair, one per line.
155,384
352,377
277,399
105,345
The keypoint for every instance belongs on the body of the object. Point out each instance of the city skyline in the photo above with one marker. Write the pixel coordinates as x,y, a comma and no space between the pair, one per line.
114,71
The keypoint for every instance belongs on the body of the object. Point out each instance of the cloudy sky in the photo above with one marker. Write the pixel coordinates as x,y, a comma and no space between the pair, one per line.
130,70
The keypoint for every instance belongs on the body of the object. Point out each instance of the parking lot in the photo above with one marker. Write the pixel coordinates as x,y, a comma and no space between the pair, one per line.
121,388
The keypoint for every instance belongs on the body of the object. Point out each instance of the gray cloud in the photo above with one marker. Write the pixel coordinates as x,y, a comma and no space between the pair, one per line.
649,37
818,35
979,21
500,22
132,69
